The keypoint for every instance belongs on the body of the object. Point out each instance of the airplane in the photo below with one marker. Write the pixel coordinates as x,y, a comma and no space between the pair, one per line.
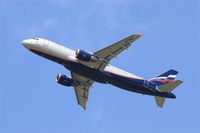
87,68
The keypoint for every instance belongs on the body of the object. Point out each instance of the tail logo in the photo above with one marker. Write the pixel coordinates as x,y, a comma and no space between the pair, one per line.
166,77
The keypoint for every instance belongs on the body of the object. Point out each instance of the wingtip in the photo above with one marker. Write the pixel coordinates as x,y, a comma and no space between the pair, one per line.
140,35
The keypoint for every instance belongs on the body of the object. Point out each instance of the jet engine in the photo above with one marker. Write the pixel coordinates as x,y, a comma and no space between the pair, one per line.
84,56
64,80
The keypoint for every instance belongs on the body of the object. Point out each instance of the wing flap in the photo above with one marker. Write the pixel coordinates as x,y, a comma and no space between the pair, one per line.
80,98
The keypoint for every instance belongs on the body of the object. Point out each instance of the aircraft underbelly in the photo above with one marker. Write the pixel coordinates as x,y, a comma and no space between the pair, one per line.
134,85
85,71
76,67
125,84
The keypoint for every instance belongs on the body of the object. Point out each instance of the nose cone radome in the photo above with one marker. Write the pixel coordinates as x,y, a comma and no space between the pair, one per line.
26,43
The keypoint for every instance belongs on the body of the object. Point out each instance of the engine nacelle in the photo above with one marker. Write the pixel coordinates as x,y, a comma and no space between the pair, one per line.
64,80
84,56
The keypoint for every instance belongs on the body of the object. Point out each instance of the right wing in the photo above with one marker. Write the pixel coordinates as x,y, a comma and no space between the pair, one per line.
81,86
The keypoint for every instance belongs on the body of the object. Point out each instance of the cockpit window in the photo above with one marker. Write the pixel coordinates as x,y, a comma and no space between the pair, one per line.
36,38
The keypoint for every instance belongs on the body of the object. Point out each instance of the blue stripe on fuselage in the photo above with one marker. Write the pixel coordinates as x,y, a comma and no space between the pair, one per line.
130,84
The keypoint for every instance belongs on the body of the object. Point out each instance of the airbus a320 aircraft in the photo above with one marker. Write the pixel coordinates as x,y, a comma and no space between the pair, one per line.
89,67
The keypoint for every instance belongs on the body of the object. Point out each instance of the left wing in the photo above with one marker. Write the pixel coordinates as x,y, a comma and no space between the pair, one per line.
107,53
81,86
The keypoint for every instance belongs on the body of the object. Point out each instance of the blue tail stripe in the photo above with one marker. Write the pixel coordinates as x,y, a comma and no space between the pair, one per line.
170,78
170,72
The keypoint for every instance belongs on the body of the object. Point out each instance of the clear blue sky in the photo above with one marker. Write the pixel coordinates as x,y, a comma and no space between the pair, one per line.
31,101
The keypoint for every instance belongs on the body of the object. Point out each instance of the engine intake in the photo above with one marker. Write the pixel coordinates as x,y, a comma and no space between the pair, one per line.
64,80
84,56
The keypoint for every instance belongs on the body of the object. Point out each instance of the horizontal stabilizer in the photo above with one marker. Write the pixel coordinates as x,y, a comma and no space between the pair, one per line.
168,87
160,101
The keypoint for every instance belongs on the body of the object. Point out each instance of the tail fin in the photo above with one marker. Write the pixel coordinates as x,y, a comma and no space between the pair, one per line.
168,87
164,78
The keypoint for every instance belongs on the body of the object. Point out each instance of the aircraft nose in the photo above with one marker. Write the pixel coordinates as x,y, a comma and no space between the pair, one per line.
26,43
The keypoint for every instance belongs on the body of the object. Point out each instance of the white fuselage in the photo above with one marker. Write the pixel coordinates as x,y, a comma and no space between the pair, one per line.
61,52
